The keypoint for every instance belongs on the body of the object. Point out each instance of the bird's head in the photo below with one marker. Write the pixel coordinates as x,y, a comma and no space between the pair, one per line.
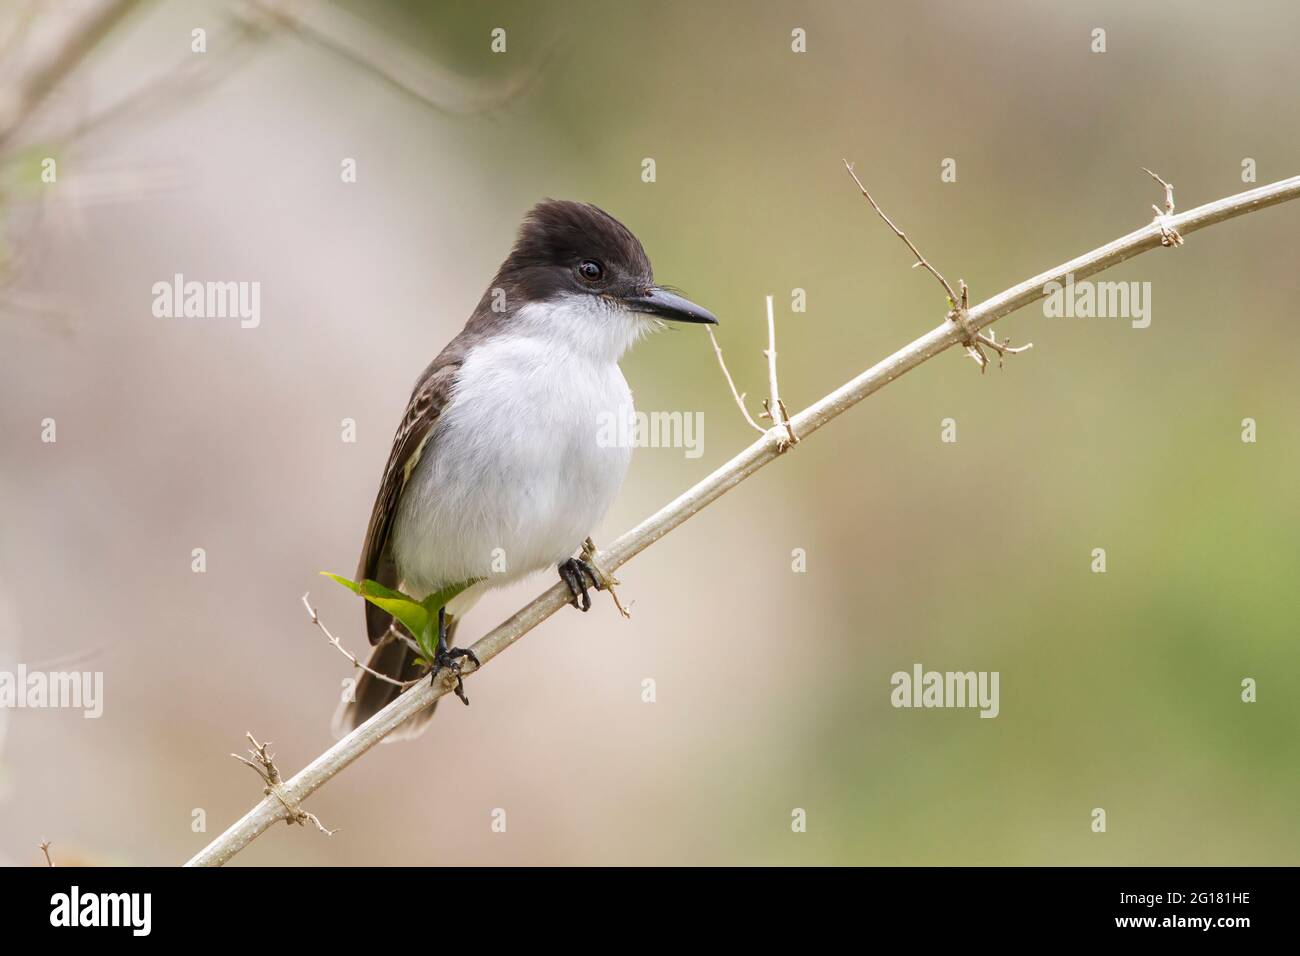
591,275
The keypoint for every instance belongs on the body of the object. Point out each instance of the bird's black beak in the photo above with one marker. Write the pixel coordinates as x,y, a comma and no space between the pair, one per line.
668,305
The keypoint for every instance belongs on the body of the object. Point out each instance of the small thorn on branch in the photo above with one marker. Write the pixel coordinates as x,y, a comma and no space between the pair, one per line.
1169,235
1003,348
973,340
263,763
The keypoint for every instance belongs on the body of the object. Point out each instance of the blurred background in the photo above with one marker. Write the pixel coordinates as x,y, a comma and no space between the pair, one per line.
1119,690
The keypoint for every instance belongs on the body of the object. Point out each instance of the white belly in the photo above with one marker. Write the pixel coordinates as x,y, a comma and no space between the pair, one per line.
516,475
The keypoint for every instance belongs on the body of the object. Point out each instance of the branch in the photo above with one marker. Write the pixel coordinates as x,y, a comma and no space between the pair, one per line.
355,39
958,305
591,554
1168,233
773,407
308,780
184,80
315,619
921,261
88,27
738,396
263,764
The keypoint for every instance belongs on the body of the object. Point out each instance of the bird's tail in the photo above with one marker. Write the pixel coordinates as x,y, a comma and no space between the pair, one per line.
395,657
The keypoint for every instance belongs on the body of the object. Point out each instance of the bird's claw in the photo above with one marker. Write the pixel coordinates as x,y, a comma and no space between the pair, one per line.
580,574
448,658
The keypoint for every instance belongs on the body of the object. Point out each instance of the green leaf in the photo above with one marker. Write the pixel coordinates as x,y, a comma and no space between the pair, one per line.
428,638
442,598
419,617
413,614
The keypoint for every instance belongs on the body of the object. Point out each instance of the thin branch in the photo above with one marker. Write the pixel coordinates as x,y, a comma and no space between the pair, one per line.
1169,193
355,39
338,645
45,848
89,26
766,449
740,398
18,26
774,402
1169,236
590,554
182,82
920,259
773,407
958,305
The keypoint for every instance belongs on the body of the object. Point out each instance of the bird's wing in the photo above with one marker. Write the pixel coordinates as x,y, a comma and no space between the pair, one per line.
429,398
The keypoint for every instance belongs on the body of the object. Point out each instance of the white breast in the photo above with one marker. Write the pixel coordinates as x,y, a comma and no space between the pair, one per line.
517,461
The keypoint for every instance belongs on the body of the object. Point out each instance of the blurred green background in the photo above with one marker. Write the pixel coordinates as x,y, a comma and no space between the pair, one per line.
1118,690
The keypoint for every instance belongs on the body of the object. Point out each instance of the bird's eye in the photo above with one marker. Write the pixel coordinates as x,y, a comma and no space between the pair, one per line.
591,270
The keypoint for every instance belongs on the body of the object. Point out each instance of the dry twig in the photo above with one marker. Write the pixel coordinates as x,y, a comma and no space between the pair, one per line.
738,396
45,848
770,403
958,304
773,406
1168,234
607,581
263,764
338,645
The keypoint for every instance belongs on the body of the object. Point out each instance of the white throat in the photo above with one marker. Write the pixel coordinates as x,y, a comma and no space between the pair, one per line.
587,325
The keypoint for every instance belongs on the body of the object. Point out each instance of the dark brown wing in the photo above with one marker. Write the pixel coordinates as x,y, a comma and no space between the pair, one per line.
430,397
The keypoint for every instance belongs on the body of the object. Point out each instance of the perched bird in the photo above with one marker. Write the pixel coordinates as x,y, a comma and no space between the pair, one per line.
498,459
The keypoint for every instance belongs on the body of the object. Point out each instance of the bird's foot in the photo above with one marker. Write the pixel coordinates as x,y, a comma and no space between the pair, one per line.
579,574
448,658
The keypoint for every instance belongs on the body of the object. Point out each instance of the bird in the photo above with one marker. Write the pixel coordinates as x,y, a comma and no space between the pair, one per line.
498,469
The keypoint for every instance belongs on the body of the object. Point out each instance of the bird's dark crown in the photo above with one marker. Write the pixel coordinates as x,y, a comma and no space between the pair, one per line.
556,239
